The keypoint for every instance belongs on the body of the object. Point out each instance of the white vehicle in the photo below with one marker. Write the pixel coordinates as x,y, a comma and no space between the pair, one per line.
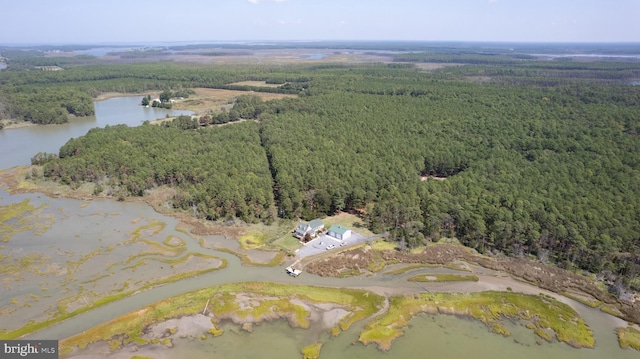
342,244
331,246
293,272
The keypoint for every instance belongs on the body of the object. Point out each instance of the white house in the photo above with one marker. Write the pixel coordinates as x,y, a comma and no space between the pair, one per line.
339,232
312,228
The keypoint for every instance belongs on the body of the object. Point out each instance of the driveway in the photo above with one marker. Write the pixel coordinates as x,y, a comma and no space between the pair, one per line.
320,244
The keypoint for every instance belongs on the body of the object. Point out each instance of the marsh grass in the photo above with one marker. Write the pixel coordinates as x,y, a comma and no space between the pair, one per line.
62,314
611,311
354,272
185,258
489,307
15,268
247,261
21,217
628,338
377,263
311,351
589,303
130,327
174,241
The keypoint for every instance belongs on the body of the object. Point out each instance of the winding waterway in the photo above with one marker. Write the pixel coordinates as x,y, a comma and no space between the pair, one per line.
429,336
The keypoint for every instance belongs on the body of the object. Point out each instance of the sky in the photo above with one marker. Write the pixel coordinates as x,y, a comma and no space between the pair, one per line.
137,21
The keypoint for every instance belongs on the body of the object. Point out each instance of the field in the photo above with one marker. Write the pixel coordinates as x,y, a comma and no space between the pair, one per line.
214,100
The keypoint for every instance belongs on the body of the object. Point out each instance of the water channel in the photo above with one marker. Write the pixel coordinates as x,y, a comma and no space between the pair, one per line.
103,222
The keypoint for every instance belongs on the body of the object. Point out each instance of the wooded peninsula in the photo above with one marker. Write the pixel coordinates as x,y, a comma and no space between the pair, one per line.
510,154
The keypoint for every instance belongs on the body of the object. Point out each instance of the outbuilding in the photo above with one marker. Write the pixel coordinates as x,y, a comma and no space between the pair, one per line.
339,232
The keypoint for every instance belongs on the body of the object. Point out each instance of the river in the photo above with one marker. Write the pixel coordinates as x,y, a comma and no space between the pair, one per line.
83,225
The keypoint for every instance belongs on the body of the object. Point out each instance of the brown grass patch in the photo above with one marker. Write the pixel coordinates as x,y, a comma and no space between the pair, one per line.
255,84
433,66
206,99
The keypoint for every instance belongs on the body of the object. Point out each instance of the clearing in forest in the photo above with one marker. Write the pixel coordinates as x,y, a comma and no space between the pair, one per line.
206,99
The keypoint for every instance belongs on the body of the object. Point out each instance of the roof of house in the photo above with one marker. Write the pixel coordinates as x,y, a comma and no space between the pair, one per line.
316,223
304,226
338,229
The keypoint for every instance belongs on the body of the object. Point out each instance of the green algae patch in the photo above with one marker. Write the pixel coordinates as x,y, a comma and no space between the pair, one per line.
628,338
443,278
256,300
541,311
311,351
21,217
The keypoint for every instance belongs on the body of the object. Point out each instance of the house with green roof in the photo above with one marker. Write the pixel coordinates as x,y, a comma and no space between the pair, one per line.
311,227
339,232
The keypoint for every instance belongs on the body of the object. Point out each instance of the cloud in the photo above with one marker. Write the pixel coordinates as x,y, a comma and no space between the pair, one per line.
261,1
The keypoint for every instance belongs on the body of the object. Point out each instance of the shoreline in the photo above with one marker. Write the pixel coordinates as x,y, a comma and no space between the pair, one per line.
12,124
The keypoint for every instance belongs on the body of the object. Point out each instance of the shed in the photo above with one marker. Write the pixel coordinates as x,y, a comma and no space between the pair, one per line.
339,232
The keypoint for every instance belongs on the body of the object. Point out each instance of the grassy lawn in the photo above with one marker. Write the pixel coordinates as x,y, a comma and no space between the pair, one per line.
350,221
382,245
288,242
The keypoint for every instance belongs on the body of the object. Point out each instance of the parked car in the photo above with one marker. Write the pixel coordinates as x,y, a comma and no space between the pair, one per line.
342,244
293,272
331,246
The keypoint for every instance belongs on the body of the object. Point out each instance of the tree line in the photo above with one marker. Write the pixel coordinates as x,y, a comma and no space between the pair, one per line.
526,170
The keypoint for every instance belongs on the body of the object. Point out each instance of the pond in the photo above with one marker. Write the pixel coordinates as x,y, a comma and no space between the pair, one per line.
17,146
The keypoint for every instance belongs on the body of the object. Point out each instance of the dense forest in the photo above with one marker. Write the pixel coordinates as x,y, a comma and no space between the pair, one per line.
524,158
